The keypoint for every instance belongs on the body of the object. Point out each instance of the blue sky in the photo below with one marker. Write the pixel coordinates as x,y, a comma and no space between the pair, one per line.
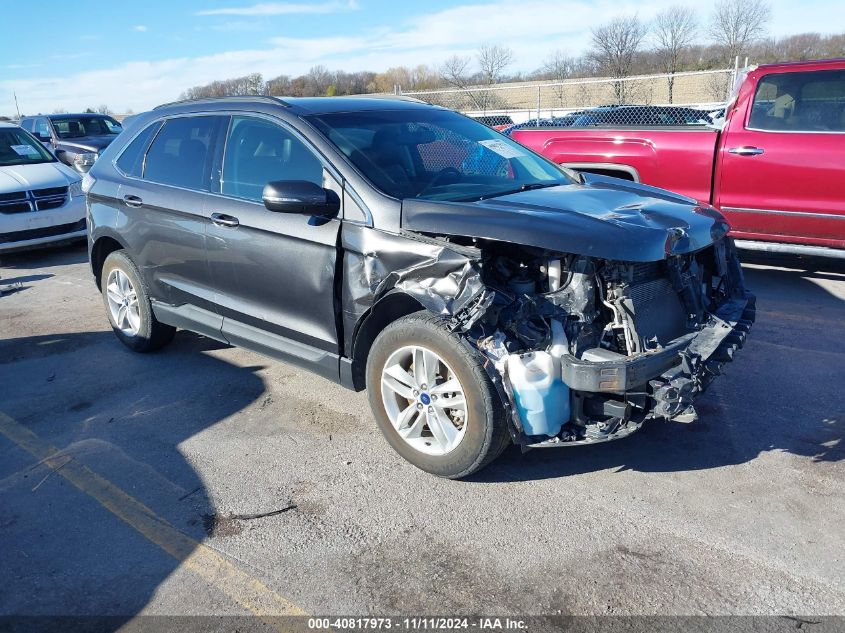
59,54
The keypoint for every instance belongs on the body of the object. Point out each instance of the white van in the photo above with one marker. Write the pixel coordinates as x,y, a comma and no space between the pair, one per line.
41,199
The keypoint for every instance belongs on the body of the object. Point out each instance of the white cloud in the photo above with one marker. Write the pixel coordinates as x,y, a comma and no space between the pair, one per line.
284,8
140,28
71,56
533,28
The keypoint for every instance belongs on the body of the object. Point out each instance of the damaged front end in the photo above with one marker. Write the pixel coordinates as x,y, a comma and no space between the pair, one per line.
583,349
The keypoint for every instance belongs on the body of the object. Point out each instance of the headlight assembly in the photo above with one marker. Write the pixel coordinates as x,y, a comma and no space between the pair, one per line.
83,162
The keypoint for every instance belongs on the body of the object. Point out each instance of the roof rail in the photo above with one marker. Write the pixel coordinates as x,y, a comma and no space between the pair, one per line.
390,95
272,99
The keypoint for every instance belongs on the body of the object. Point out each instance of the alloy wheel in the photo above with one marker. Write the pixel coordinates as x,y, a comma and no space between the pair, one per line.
123,302
424,400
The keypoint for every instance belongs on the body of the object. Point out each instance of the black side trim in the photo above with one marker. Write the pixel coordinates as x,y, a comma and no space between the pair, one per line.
284,349
191,318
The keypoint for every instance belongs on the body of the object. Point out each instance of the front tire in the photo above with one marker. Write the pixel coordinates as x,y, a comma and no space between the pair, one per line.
432,400
128,306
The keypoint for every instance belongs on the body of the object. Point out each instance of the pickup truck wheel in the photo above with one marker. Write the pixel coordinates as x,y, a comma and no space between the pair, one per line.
128,306
432,400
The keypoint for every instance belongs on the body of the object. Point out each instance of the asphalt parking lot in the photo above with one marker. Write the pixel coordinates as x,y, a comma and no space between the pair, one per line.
134,484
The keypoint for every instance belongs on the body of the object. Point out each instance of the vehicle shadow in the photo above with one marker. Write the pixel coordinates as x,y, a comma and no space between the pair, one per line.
783,392
123,419
23,279
60,254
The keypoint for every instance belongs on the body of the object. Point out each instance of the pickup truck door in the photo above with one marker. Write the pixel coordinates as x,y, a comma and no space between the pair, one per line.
273,273
781,175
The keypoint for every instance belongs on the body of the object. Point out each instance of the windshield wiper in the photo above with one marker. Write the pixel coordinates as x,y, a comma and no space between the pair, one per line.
526,187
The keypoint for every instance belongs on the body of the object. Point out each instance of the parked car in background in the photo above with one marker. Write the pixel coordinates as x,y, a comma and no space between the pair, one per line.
642,115
479,292
628,115
564,120
75,139
41,199
775,168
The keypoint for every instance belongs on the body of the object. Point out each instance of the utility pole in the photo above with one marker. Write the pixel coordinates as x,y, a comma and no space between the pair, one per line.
16,105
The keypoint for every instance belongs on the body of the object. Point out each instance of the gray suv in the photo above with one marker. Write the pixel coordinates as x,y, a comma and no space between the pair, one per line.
482,294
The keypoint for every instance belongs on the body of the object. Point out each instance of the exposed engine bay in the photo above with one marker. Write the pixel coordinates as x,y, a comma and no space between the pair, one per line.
580,349
630,340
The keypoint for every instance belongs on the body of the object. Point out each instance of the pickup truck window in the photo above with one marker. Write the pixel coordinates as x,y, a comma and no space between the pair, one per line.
435,154
78,127
800,102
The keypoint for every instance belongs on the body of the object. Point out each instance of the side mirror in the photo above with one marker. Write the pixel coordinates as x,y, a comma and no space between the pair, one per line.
300,196
42,138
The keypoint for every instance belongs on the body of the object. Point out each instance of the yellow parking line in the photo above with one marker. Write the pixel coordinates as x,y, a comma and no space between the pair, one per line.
248,592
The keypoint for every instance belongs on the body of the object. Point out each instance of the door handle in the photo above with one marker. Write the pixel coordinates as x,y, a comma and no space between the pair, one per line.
746,151
132,201
221,219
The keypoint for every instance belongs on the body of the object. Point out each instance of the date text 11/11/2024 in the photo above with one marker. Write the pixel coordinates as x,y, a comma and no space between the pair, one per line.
417,623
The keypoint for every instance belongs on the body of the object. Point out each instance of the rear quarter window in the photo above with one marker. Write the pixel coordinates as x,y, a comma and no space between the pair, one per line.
131,160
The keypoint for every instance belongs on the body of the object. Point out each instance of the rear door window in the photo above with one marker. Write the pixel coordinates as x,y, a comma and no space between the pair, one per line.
131,161
180,154
800,102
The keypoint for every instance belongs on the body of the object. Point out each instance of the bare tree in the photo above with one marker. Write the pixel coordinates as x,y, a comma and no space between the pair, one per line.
278,86
420,77
493,59
247,85
319,79
736,24
455,71
558,67
614,47
674,31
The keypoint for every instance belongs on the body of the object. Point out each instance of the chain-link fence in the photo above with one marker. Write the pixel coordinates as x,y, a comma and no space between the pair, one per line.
520,102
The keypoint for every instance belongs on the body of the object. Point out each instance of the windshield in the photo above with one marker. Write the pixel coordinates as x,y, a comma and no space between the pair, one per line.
18,147
77,127
435,154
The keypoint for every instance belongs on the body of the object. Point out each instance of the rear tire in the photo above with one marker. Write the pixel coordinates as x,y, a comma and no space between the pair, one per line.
128,306
413,409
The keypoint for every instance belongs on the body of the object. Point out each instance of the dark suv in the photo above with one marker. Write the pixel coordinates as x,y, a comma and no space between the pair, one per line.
481,293
76,139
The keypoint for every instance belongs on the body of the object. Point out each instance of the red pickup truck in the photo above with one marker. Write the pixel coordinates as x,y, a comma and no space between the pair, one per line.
775,167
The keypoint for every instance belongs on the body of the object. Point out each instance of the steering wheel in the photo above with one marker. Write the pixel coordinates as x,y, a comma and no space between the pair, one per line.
440,178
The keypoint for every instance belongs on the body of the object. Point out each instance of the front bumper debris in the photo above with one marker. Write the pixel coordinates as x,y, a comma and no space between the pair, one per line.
715,343
675,390
665,381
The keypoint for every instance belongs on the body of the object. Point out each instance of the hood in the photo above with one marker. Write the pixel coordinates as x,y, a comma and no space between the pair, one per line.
37,176
87,143
603,217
